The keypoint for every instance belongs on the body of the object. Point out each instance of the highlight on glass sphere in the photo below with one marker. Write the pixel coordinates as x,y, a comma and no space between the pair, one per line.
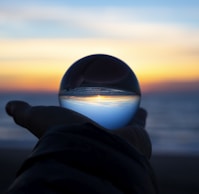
102,88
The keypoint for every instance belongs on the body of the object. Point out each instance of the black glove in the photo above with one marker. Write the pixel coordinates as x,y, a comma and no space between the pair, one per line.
136,134
38,119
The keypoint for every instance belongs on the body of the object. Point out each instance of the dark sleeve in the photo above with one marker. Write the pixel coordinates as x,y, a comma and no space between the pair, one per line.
83,159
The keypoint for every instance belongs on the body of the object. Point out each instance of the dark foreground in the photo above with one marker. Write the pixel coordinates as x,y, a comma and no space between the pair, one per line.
175,174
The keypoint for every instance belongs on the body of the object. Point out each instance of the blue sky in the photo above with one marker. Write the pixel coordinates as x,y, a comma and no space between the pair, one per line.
66,19
105,2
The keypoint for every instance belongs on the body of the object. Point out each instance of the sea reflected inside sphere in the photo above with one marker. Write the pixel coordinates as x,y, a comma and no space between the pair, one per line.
108,107
102,88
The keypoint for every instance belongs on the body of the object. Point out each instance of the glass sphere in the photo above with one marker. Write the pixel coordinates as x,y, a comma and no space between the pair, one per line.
102,88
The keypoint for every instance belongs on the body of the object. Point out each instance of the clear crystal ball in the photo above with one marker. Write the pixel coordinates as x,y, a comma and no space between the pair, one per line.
102,88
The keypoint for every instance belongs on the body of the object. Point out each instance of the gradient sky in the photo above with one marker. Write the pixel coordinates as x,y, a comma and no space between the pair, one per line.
40,39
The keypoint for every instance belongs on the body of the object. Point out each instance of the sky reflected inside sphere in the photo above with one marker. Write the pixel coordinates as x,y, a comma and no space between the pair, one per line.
110,111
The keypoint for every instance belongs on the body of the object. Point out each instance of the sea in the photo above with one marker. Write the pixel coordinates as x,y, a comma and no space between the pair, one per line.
172,121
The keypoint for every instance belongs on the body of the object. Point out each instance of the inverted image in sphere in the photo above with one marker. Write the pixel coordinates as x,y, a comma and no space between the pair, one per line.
102,88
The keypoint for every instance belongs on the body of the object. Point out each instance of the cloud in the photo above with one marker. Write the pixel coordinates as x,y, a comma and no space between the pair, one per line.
111,22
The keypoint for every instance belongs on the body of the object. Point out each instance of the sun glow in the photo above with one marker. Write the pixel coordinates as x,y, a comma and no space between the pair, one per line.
40,64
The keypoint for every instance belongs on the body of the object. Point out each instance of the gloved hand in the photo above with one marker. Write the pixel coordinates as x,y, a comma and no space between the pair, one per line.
135,133
37,119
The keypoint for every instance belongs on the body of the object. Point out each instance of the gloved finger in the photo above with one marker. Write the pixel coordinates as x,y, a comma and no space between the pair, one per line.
19,111
139,118
138,137
136,134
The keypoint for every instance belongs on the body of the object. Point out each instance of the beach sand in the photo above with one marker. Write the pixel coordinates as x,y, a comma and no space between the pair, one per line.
176,174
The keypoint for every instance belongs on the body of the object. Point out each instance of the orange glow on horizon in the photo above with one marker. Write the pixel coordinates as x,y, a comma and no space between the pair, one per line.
38,65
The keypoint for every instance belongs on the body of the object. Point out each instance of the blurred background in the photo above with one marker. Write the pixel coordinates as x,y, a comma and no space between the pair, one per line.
39,40
159,40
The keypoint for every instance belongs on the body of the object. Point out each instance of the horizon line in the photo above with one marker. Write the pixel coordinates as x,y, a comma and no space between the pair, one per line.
163,86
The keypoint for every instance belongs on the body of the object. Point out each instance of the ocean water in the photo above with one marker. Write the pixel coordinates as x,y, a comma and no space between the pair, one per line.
172,122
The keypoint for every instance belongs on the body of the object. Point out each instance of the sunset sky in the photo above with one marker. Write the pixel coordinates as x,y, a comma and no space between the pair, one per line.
40,39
